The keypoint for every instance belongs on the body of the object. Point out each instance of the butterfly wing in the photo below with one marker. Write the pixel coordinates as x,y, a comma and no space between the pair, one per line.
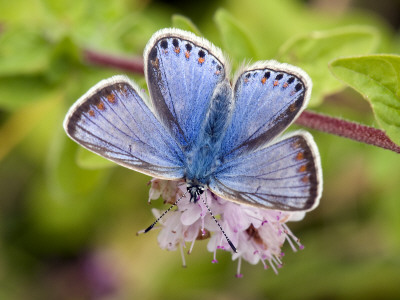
268,96
182,71
285,176
112,120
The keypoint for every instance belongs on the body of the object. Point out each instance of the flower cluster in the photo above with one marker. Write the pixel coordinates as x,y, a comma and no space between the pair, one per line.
257,233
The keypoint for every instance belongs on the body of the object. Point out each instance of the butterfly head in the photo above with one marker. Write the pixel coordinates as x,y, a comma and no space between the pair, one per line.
195,189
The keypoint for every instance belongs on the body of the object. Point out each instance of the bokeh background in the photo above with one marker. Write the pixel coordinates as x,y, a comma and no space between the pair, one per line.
68,220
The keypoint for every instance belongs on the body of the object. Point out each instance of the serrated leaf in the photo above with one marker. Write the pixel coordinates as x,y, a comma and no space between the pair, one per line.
182,22
377,78
236,41
313,52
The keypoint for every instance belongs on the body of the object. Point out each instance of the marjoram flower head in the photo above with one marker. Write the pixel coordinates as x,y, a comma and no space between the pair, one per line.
258,233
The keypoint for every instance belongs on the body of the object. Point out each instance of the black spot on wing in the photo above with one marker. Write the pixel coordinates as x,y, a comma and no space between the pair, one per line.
164,44
153,54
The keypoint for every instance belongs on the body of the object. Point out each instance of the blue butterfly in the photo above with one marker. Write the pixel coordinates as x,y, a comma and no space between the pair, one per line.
199,127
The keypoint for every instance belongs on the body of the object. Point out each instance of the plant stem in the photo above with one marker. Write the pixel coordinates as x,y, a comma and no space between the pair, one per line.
347,129
320,122
134,65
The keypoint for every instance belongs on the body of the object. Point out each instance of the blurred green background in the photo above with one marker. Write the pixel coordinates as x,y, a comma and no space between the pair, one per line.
68,221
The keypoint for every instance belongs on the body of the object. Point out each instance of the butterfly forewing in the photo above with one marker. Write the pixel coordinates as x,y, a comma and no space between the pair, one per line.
182,71
113,121
268,96
285,175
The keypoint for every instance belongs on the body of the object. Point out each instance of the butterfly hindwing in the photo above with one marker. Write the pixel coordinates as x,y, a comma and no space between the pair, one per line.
182,71
285,175
112,120
268,96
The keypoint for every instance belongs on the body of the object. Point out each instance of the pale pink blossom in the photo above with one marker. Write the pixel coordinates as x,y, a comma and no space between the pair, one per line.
258,234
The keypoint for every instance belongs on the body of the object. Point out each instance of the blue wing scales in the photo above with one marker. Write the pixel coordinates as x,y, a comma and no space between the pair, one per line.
268,96
182,71
112,120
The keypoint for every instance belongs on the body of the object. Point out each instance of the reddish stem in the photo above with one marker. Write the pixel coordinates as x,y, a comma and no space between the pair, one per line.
134,64
347,129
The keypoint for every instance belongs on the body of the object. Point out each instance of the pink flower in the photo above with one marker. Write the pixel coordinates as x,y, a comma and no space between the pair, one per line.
258,234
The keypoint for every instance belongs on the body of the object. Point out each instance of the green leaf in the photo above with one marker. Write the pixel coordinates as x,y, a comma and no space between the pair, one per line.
182,22
65,58
236,41
23,121
377,78
17,91
88,160
23,51
313,52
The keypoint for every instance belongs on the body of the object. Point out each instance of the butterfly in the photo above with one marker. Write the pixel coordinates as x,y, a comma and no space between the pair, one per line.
199,126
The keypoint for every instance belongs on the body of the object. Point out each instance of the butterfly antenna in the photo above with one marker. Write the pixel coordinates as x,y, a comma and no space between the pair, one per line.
162,215
220,227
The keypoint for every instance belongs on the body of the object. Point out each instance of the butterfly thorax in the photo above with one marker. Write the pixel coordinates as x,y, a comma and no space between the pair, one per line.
202,157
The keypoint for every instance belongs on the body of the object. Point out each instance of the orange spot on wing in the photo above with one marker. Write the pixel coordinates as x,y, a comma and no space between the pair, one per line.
285,85
303,168
305,179
300,156
187,54
292,107
155,63
111,98
201,60
177,50
263,80
91,113
276,82
296,144
100,105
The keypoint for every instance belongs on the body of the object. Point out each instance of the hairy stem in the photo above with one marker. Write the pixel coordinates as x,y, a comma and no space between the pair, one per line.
347,129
